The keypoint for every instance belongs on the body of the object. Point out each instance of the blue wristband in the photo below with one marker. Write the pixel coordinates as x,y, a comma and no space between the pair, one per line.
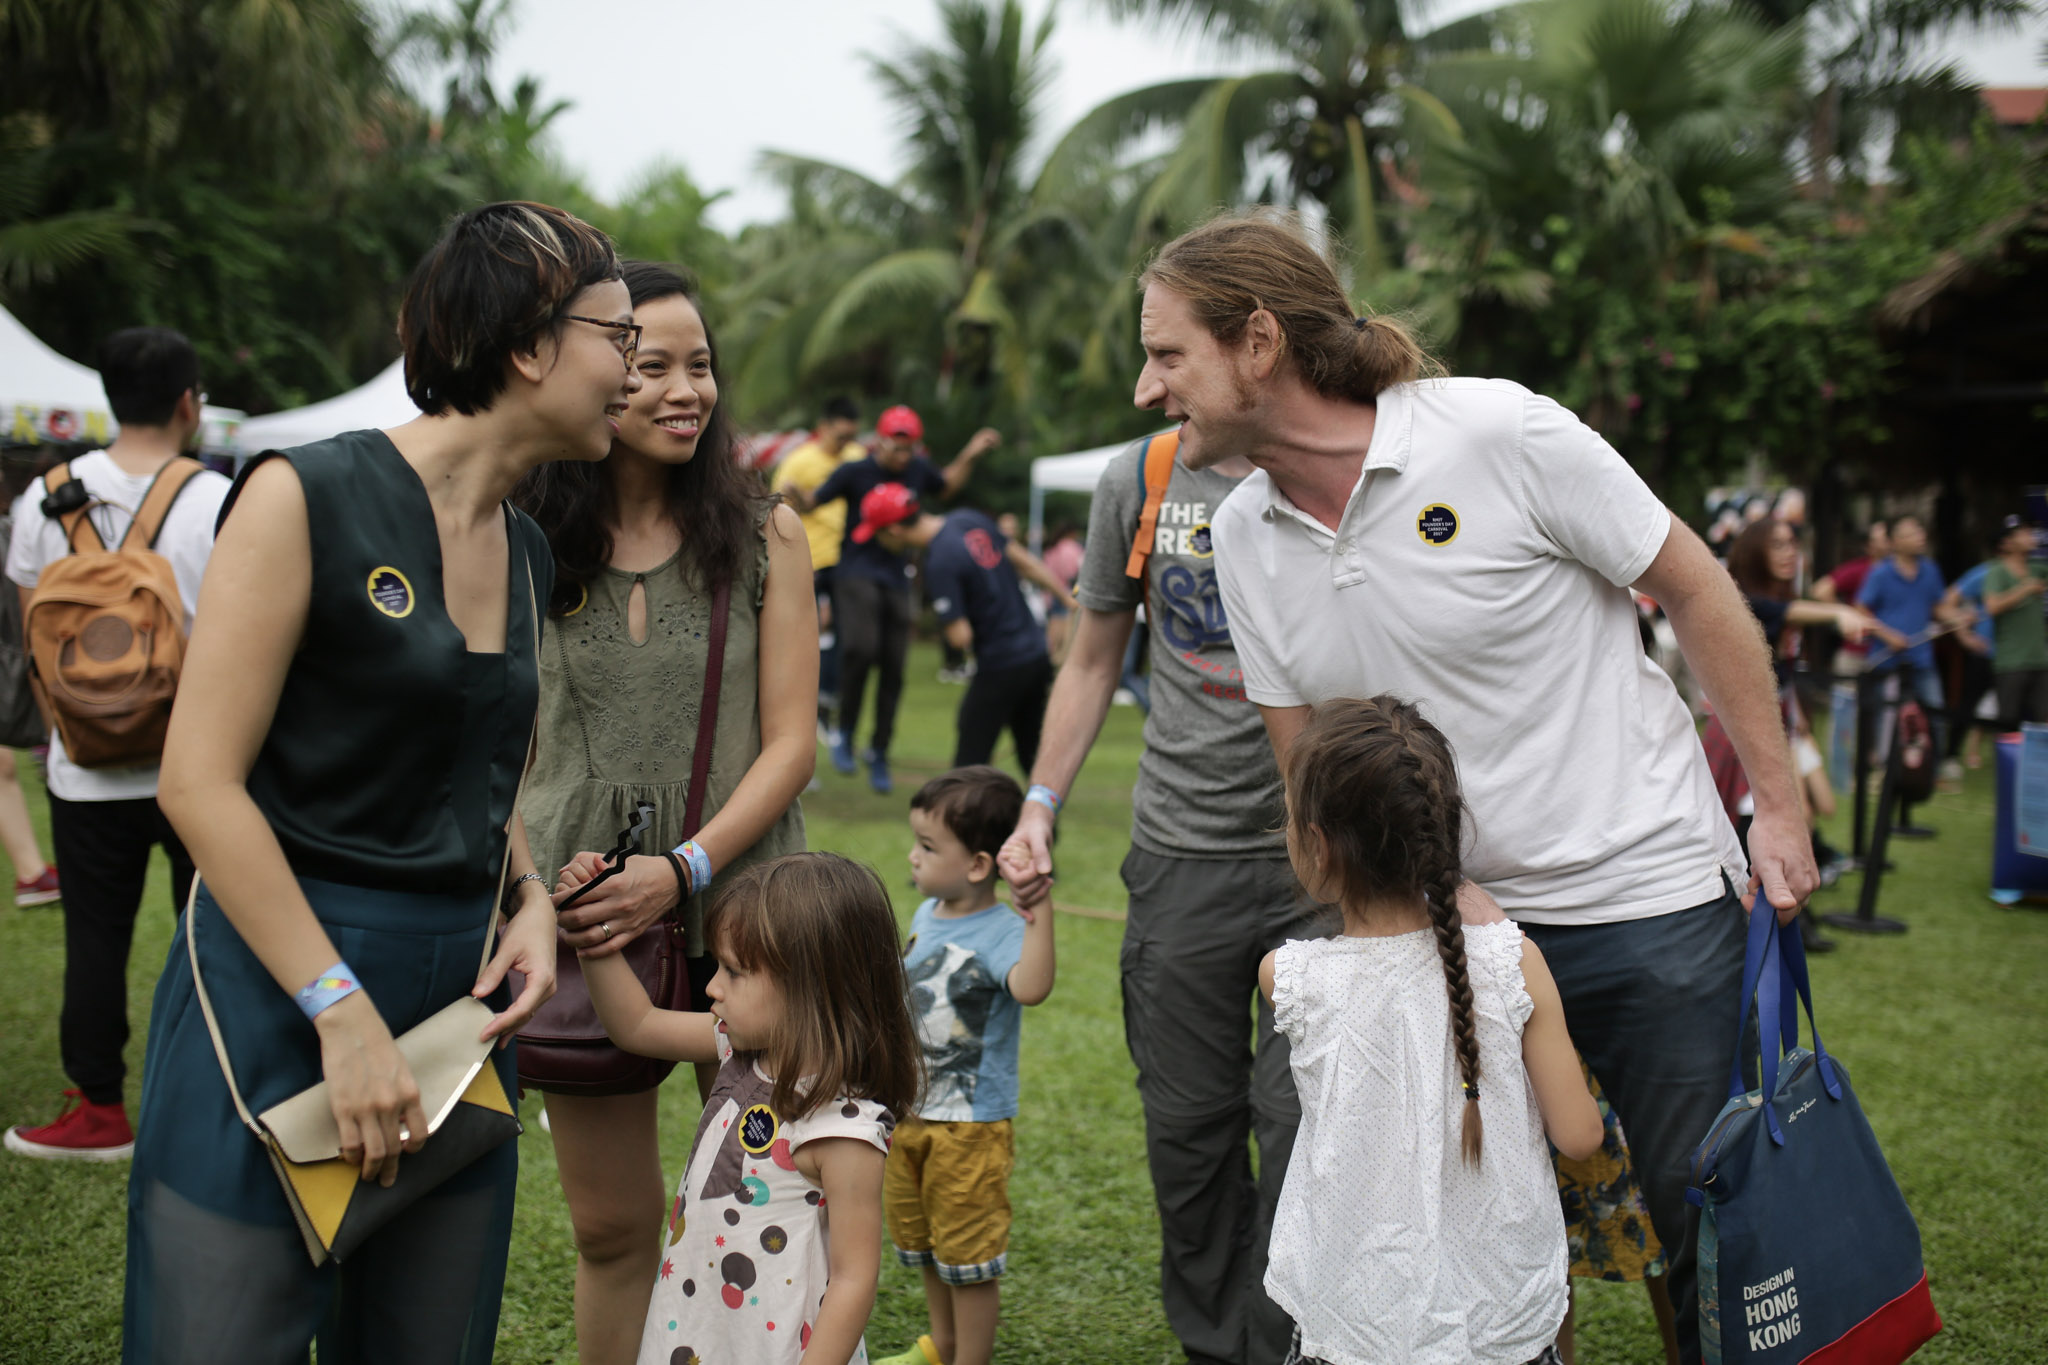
699,863
336,983
1044,796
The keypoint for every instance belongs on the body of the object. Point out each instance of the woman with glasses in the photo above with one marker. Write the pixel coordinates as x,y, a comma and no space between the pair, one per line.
641,543
354,717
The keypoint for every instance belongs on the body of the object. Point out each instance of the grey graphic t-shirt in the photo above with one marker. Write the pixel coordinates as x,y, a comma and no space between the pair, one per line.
959,970
1207,784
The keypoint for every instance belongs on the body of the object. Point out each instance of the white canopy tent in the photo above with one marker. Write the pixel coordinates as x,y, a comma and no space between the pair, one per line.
1076,473
380,403
45,397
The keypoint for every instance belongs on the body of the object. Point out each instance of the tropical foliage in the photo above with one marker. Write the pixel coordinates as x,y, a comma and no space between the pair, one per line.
1677,216
966,288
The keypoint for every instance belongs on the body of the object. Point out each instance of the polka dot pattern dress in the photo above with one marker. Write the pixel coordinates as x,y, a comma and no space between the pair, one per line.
744,1258
1388,1249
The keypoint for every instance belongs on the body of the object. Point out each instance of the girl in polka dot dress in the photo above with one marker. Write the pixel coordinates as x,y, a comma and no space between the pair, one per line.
774,1242
1419,1222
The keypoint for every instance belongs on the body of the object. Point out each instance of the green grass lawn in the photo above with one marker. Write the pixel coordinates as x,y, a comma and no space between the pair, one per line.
1943,1030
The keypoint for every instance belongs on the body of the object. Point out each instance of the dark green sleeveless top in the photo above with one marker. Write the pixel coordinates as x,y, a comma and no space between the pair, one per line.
395,753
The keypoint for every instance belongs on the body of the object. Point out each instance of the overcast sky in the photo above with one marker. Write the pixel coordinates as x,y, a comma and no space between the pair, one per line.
714,83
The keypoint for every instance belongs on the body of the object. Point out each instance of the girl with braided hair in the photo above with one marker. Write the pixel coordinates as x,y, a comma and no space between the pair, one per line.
1419,1223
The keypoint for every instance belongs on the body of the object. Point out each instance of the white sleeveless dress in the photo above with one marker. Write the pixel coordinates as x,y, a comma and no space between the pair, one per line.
1387,1248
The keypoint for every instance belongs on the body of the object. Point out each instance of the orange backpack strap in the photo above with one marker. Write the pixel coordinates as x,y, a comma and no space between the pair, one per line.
156,503
76,519
1159,453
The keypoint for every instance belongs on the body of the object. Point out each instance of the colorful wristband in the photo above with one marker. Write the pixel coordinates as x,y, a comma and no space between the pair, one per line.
699,863
1044,796
336,983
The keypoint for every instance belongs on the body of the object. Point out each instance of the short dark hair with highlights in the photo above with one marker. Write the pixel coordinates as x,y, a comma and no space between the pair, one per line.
146,370
980,804
498,281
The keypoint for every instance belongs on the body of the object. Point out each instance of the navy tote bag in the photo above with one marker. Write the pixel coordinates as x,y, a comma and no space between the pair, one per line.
1807,1251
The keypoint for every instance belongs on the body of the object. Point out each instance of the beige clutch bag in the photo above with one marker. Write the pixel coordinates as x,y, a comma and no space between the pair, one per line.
468,1113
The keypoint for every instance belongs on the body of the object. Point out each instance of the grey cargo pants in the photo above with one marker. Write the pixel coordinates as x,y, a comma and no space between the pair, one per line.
1196,932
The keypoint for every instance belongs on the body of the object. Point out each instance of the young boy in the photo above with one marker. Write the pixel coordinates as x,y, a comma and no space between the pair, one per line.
973,964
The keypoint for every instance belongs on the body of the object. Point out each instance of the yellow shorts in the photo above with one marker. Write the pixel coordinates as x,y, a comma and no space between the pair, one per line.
946,1194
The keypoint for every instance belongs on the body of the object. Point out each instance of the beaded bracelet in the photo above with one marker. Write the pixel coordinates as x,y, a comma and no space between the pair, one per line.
335,984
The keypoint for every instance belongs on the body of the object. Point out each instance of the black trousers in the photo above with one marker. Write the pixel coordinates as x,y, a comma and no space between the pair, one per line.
2022,696
102,852
1013,697
873,625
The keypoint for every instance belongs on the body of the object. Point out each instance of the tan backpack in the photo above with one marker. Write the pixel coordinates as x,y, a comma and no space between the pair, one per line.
106,628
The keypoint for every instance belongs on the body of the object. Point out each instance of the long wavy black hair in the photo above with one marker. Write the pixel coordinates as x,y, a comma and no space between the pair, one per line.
714,503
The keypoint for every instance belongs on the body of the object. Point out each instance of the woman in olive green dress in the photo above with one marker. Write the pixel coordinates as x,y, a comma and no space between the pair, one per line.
640,541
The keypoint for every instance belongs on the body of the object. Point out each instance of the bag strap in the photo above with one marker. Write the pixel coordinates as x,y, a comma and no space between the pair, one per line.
220,1047
707,716
156,503
1158,463
78,517
1774,977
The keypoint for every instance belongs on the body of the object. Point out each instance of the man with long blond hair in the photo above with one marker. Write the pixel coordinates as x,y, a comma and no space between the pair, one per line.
1471,545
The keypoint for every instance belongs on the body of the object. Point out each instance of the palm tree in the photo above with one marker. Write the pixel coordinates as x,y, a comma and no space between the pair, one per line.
1618,163
945,284
39,247
1869,80
1323,127
465,42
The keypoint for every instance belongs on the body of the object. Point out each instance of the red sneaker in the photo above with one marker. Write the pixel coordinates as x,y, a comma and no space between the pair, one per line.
83,1132
39,891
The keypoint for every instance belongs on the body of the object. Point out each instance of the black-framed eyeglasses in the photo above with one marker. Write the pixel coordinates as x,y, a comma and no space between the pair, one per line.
625,335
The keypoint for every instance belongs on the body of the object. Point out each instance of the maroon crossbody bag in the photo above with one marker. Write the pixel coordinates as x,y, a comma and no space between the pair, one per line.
563,1048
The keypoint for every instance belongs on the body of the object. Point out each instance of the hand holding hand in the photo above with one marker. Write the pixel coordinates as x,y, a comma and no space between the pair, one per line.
1029,908
638,895
1025,860
376,1102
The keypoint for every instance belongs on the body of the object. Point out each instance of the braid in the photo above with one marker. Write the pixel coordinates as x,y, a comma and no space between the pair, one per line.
1450,946
1376,782
1443,877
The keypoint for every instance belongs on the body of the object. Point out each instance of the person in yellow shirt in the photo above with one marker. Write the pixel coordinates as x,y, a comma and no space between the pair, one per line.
801,471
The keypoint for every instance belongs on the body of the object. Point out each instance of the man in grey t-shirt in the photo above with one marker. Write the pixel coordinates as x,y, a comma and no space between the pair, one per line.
1210,893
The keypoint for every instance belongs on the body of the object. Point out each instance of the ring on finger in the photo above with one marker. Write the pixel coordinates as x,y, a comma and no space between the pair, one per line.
607,931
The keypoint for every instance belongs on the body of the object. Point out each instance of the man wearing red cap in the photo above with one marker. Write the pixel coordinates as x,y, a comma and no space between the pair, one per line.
971,570
872,593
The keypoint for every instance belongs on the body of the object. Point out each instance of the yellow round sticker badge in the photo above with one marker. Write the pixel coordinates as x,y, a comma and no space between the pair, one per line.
391,592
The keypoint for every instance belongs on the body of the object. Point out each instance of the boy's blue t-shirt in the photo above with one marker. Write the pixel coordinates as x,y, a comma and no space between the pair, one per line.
968,1021
1906,605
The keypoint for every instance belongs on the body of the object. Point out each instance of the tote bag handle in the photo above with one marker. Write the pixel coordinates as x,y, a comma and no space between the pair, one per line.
1774,979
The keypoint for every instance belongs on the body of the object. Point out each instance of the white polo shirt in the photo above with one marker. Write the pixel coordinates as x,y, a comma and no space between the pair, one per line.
1481,570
